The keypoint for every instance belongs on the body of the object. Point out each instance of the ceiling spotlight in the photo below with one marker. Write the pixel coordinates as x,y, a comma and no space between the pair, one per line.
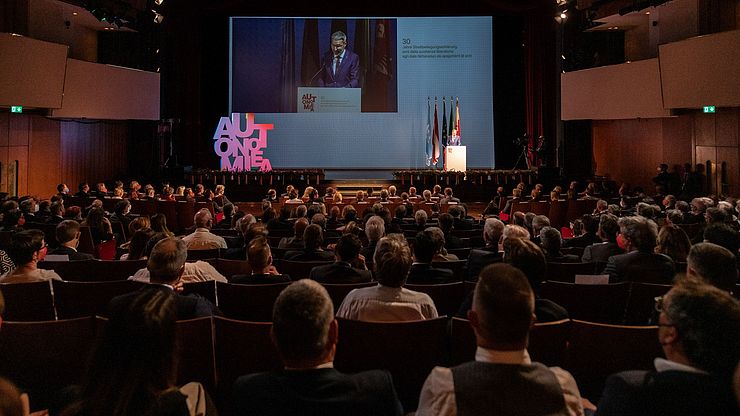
158,17
158,2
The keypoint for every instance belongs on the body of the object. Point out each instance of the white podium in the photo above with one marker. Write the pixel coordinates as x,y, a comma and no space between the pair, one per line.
329,100
456,158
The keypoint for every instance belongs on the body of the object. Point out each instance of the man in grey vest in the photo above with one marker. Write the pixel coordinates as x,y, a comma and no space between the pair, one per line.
502,380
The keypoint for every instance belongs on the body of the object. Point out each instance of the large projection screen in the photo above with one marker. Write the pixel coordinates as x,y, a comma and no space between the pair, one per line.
404,63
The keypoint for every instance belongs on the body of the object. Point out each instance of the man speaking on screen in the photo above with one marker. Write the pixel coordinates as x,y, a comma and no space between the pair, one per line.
341,67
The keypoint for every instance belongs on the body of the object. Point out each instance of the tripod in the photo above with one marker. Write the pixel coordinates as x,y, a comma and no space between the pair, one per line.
523,154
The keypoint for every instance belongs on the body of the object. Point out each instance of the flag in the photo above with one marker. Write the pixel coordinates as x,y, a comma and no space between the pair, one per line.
452,121
457,117
435,137
428,135
444,123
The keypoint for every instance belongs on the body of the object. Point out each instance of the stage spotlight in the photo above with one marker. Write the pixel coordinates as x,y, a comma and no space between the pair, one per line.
158,17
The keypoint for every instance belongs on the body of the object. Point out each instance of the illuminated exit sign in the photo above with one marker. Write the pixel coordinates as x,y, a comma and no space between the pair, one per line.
709,109
16,109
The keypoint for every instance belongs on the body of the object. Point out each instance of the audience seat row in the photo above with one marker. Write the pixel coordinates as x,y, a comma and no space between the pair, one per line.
44,356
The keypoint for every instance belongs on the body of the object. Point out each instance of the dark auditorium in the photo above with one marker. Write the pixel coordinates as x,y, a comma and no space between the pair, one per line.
432,208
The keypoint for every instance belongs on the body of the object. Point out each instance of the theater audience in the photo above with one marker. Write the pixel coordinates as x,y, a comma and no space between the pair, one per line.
600,252
137,245
296,242
134,367
590,228
374,231
424,249
57,213
159,224
100,226
344,270
502,377
202,238
638,237
27,248
699,330
389,300
306,334
68,236
260,261
551,242
446,223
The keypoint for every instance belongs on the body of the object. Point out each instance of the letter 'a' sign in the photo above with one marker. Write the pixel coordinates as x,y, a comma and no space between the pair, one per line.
239,142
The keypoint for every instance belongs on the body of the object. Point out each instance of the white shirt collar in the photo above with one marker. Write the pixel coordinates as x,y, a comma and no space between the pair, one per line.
330,364
502,357
661,364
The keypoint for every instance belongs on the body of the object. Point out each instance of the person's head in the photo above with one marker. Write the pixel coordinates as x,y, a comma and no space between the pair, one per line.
139,223
638,233
159,223
673,242
674,216
515,231
383,194
516,192
697,206
425,245
400,211
420,217
446,222
83,187
723,235
199,189
138,243
57,208
374,228
392,190
699,325
28,206
27,248
259,254
136,359
714,215
253,231
714,264
167,260
493,229
203,219
349,213
608,228
303,326
299,226
503,308
62,188
301,211
520,219
669,201
590,224
528,257
338,43
348,247
313,237
539,222
220,189
412,191
68,233
551,240
392,260
10,399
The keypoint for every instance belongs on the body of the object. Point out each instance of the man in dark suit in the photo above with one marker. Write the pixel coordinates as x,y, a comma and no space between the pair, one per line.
698,330
340,66
479,258
591,226
551,240
57,212
305,333
516,195
422,271
446,223
68,236
166,265
640,263
600,252
347,252
313,238
458,222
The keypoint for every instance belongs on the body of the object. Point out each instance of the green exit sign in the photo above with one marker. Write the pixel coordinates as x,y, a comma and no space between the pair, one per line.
16,109
709,109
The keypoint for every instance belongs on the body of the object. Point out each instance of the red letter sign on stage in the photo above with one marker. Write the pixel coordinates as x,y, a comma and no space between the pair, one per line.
235,145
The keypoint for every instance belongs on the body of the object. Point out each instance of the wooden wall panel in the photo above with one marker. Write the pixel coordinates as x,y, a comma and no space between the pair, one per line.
18,130
704,129
677,137
4,128
730,155
44,158
20,153
93,152
727,126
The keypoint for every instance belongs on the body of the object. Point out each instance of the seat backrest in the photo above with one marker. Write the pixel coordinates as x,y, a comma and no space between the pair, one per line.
211,253
106,250
409,350
558,214
196,355
111,270
43,357
447,297
548,342
461,253
338,291
80,299
457,267
86,241
28,302
229,268
597,350
248,302
242,347
70,270
206,289
185,214
169,210
566,272
298,269
641,302
462,341
597,303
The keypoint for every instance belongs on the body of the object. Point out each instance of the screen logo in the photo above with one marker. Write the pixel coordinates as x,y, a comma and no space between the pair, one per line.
240,143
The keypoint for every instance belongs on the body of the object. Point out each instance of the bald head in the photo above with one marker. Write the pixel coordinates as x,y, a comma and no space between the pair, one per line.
167,260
